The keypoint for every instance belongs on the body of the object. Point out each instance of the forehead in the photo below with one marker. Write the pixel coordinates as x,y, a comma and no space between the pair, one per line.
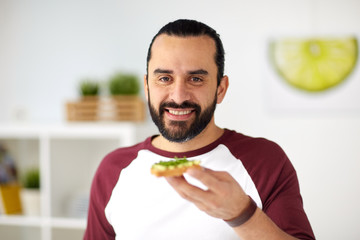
172,41
168,49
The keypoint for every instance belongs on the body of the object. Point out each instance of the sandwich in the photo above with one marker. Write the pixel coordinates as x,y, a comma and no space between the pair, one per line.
174,167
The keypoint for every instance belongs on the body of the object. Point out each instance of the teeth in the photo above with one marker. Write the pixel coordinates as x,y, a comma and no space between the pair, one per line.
174,112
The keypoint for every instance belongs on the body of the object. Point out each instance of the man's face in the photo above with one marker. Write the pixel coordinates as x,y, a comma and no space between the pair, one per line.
182,85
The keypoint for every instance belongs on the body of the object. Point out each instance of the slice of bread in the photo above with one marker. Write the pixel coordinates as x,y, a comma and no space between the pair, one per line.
173,168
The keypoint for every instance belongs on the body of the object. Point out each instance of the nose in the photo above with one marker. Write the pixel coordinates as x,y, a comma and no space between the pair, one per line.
180,92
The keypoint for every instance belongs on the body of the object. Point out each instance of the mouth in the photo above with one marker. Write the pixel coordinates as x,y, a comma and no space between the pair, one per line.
179,114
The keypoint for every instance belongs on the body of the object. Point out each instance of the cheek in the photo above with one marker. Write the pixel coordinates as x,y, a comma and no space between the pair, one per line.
207,98
156,97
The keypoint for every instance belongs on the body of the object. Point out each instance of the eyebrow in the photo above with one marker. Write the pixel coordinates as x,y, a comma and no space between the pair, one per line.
159,71
199,71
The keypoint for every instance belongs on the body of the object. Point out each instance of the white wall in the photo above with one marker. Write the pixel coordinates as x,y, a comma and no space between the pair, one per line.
47,46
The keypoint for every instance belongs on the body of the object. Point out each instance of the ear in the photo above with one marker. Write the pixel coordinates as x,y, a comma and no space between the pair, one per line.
222,88
146,88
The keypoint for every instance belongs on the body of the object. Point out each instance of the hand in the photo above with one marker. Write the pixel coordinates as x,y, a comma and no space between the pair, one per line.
223,199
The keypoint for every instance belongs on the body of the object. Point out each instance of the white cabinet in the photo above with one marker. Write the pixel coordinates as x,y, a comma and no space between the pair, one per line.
67,156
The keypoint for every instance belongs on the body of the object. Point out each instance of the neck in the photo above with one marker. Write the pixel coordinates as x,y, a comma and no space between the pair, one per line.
207,136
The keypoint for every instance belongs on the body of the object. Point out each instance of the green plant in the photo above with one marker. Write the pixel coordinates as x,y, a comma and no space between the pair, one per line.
124,84
31,179
89,87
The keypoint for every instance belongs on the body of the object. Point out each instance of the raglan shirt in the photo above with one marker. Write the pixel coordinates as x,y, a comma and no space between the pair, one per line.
127,202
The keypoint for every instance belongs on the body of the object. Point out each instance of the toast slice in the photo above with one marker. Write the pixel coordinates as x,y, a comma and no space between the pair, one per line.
173,168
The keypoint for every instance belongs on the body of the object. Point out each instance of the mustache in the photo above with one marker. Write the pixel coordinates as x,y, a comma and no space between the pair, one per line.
185,104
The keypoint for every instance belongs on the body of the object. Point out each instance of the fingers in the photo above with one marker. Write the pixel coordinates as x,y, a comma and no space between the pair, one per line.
204,200
220,175
186,190
223,199
213,180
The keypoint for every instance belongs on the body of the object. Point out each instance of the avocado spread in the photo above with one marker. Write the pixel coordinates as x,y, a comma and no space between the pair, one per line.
176,163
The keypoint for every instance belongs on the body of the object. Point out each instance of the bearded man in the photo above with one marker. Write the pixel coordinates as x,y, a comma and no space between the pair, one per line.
246,188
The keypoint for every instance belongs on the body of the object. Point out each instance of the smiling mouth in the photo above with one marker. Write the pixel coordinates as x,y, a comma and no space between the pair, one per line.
179,112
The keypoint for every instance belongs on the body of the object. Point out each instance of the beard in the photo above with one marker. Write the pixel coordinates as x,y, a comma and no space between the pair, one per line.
179,131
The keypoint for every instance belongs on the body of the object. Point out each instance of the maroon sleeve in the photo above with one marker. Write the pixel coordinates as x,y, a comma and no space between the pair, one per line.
102,186
97,225
276,181
284,204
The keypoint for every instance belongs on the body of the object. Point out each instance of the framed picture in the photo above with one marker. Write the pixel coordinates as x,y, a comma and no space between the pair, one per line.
312,75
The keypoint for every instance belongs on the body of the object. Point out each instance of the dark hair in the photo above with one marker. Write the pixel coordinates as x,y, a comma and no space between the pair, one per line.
184,28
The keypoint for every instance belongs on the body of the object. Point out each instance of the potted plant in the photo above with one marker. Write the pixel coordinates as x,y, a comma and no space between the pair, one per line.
87,108
31,192
89,88
124,84
10,202
124,90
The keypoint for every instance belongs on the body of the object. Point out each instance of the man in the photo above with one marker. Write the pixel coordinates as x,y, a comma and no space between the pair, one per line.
246,188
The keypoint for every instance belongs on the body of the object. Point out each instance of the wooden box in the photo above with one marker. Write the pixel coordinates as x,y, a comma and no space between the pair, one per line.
117,108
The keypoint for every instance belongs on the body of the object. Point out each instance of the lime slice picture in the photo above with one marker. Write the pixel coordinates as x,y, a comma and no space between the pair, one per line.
314,64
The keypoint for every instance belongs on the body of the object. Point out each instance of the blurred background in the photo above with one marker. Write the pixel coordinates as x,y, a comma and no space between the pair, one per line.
47,47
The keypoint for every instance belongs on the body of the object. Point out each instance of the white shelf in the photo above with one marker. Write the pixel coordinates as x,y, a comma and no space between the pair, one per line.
71,223
65,129
20,221
62,150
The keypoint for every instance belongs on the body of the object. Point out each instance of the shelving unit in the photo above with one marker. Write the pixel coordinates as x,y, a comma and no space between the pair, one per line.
67,156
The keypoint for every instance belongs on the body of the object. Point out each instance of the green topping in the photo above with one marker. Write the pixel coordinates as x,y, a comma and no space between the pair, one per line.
177,162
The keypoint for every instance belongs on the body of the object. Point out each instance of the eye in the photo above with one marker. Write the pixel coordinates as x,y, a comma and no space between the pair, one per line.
196,80
164,79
